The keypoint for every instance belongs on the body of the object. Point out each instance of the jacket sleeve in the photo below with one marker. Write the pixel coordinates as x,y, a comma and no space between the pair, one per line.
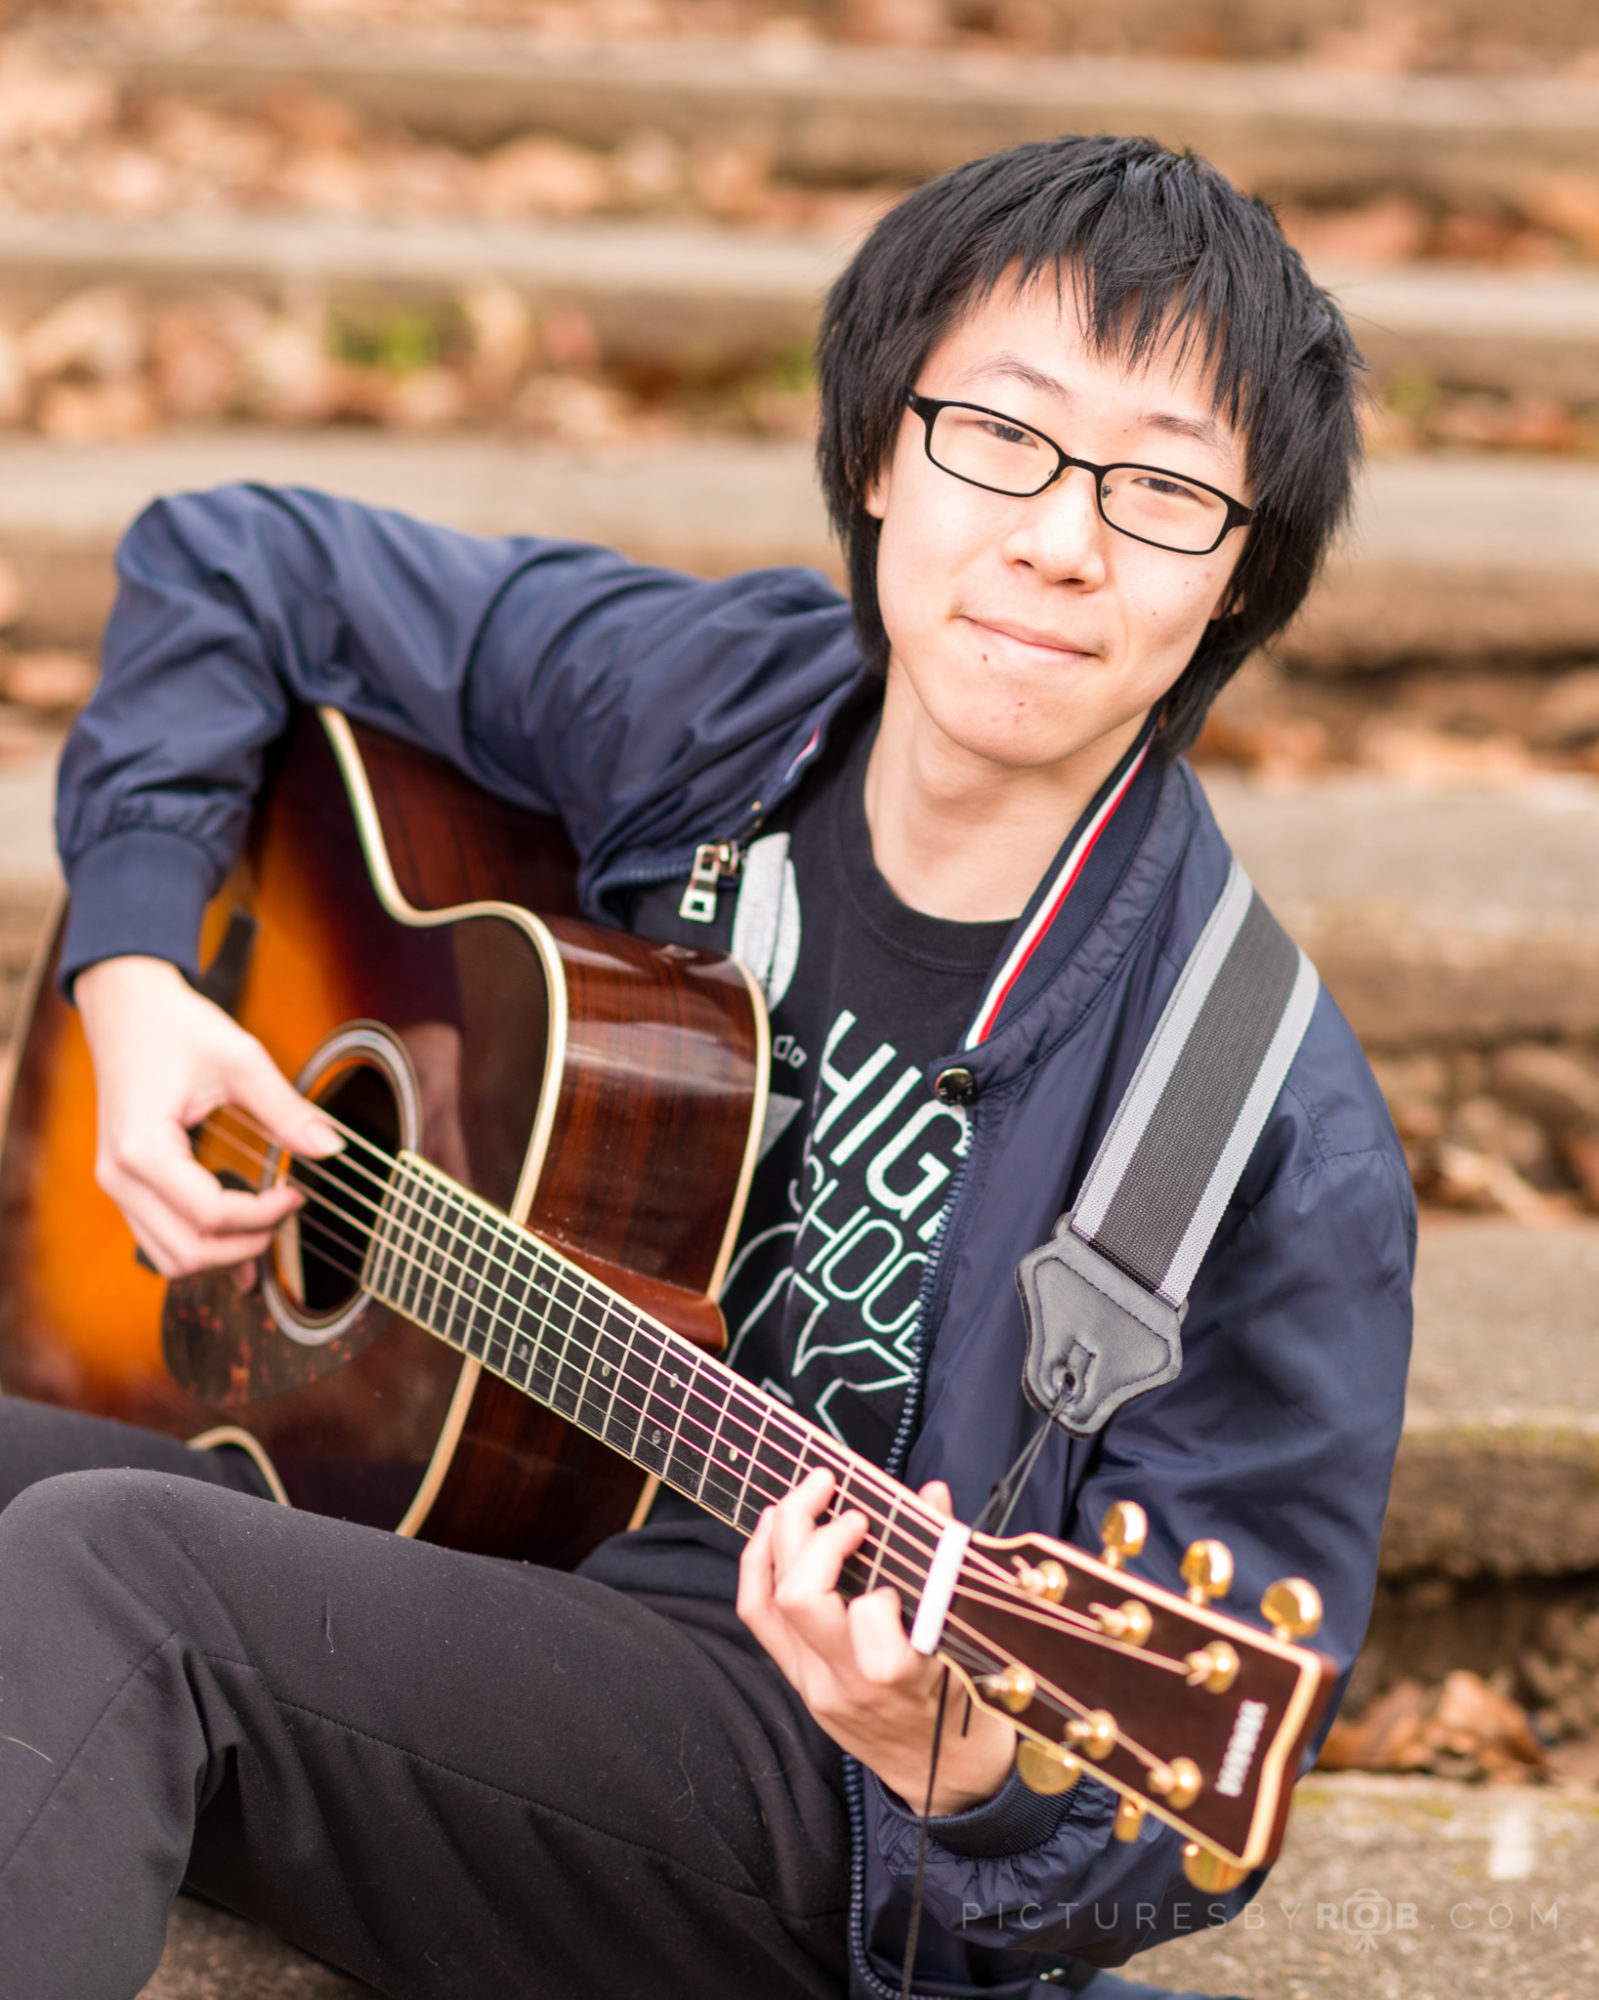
559,675
1279,1438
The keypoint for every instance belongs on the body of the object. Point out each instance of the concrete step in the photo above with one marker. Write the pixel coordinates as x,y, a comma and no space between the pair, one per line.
651,290
1437,914
1409,1889
831,113
1451,558
1386,1887
702,295
1498,1472
211,1955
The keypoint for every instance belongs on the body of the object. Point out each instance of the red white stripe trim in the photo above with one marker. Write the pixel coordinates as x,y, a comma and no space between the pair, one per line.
1048,910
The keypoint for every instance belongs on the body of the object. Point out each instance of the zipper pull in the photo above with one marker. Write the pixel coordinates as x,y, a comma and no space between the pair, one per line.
716,862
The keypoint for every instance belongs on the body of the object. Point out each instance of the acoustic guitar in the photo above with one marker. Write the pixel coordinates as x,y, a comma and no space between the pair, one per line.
492,1322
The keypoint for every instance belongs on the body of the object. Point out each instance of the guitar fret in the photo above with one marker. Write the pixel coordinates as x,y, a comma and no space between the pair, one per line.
432,1289
458,1276
650,1447
483,1285
521,1268
564,1299
604,1370
737,1435
882,1540
748,1515
711,1449
638,1371
380,1247
409,1276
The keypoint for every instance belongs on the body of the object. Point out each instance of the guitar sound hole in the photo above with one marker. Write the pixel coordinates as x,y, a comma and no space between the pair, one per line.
336,1219
363,1077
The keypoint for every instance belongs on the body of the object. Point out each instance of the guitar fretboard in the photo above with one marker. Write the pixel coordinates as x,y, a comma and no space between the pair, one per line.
497,1293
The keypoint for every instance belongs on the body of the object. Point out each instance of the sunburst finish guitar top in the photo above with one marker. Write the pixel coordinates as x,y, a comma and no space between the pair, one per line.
601,1088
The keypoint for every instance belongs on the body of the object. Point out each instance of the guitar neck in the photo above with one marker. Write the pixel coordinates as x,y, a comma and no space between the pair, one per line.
496,1292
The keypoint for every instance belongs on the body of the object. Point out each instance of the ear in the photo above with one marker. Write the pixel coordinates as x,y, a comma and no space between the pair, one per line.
875,498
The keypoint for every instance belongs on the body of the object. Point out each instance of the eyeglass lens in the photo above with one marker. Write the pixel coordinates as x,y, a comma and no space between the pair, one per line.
1159,507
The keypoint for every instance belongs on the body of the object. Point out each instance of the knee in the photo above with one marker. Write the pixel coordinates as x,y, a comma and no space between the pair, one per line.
99,1517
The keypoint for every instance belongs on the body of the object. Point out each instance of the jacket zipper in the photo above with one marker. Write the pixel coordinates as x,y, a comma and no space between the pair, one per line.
854,1781
716,862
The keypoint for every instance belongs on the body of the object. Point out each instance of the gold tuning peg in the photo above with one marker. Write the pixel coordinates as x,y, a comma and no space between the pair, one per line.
1214,1667
1129,1818
1046,1767
1047,1580
1124,1531
1208,1571
1013,1687
1206,1869
1130,1621
1095,1732
1179,1783
1292,1608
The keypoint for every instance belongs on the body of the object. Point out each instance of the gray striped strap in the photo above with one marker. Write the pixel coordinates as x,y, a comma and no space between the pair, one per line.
1104,1299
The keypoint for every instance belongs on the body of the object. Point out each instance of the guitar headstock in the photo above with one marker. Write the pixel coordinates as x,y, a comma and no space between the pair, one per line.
1183,1710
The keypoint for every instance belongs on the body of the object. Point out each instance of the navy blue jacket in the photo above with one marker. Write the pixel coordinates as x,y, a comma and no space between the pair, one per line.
654,712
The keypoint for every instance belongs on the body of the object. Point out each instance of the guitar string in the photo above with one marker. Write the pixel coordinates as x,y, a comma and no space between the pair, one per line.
981,1652
1084,1631
1087,1632
845,1464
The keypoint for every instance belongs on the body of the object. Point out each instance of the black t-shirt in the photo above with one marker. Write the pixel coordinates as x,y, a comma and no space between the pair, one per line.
858,1157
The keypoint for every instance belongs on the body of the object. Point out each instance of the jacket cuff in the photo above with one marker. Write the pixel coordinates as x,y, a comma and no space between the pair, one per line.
139,892
1013,1820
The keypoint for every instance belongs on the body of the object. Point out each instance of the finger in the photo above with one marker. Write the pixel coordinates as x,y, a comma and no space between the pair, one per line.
883,1654
159,1167
257,1085
794,1517
806,1588
755,1571
939,1498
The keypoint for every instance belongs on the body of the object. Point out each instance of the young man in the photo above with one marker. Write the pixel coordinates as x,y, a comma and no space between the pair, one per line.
1087,429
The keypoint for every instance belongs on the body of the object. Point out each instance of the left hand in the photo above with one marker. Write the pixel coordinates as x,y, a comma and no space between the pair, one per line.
852,1664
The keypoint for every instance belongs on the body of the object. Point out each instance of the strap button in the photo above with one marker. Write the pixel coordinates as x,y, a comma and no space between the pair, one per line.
955,1086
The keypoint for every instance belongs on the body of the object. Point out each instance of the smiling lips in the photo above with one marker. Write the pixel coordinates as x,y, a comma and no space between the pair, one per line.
1024,635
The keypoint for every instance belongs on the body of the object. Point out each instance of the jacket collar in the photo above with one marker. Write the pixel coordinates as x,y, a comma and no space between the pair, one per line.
1121,892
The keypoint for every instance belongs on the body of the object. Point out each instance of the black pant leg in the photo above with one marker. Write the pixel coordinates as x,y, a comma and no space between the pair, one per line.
37,1441
445,1774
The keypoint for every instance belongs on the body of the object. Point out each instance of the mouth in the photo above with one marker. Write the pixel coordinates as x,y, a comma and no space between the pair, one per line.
1030,638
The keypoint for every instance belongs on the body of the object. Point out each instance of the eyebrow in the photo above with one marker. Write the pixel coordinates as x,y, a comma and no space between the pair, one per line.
1012,368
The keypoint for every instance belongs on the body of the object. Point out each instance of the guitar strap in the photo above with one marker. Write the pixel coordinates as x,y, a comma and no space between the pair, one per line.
1104,1298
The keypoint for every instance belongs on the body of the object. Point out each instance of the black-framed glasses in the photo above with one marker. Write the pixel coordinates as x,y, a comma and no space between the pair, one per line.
989,449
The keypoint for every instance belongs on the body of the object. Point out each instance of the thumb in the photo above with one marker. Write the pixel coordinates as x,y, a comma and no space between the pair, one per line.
938,1497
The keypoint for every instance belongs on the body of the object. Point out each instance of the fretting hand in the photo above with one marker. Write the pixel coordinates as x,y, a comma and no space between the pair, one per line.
852,1663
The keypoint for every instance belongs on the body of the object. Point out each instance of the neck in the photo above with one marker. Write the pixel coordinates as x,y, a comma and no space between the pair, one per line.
959,835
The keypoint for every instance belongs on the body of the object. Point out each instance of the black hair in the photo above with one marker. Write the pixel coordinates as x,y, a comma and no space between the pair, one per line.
1157,245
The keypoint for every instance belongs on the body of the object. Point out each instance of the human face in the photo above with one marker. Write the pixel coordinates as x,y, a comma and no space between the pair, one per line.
1027,633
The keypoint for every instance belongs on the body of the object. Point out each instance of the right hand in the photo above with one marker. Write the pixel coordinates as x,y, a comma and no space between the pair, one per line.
164,1059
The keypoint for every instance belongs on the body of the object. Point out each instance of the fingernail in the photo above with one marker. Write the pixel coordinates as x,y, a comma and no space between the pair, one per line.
320,1133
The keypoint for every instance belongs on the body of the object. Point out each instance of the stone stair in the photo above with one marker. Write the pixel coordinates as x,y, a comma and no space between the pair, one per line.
1450,558
662,291
824,112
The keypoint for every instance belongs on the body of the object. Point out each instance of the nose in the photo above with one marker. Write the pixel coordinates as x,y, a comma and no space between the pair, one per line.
1059,532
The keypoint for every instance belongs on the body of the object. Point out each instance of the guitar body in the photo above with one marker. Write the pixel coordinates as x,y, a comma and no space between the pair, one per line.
378,938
